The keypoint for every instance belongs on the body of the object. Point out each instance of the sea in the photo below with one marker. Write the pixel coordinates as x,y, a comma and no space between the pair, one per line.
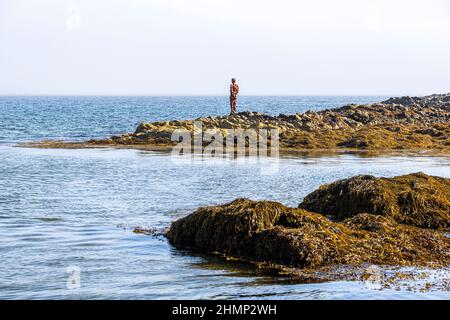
67,215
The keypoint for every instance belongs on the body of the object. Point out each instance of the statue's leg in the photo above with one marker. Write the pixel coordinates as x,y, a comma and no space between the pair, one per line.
234,104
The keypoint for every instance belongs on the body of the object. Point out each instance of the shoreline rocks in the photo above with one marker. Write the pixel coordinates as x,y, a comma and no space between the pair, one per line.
270,233
397,123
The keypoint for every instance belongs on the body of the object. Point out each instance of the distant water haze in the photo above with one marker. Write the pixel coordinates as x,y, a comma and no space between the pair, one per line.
165,47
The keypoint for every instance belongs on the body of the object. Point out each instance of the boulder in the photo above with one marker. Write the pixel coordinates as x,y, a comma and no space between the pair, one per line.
416,199
269,232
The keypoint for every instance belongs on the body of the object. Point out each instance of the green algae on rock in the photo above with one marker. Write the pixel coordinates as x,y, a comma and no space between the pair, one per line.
415,199
270,232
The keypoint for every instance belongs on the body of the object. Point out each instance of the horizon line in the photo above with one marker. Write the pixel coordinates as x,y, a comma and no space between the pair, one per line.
218,95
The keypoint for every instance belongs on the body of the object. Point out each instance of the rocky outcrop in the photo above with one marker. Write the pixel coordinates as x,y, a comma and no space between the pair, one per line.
271,232
397,123
415,199
395,111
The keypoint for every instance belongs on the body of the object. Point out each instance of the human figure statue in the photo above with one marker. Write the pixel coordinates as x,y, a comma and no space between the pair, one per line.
234,90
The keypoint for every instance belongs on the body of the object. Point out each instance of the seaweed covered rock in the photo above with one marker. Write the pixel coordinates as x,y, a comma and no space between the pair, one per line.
271,232
406,123
414,199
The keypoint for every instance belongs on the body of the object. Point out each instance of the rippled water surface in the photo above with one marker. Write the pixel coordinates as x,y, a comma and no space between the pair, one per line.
64,209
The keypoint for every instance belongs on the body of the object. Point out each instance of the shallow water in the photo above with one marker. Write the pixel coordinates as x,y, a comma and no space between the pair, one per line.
64,209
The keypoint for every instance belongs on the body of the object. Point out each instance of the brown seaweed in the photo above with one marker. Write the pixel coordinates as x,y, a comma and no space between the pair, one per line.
414,199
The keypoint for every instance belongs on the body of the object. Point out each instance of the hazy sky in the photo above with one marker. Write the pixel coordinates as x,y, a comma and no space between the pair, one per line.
296,47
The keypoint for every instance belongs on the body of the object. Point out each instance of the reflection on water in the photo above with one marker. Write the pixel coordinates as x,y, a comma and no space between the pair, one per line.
61,208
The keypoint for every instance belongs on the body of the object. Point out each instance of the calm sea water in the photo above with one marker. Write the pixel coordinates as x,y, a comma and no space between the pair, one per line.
76,209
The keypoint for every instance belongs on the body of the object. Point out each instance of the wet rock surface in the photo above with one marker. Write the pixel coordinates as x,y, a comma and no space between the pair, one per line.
416,199
270,232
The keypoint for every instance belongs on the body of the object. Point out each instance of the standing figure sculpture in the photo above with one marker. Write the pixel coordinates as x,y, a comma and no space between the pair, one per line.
234,90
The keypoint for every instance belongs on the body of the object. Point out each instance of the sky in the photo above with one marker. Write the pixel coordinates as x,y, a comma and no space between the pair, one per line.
194,47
